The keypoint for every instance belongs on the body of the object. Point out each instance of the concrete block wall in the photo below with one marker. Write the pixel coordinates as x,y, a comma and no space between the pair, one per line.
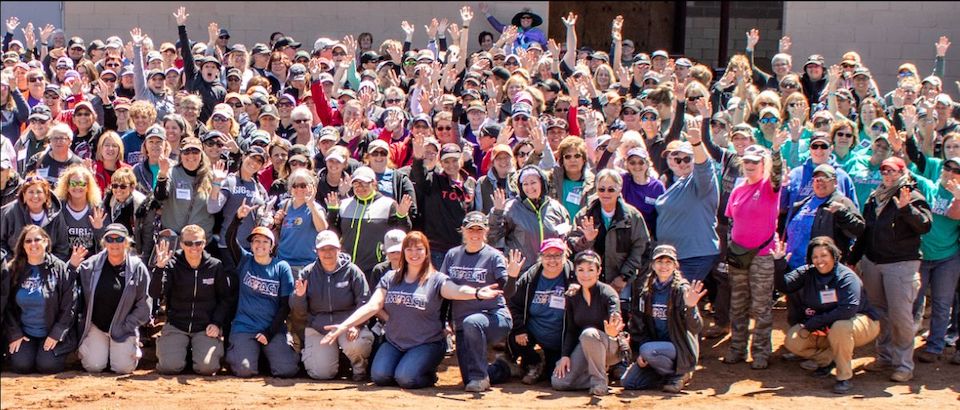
884,33
703,30
252,22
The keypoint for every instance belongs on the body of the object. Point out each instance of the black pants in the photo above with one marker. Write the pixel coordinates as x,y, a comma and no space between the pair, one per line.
528,357
31,358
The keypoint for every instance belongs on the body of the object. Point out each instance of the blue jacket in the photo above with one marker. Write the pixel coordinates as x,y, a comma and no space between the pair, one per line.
805,284
800,185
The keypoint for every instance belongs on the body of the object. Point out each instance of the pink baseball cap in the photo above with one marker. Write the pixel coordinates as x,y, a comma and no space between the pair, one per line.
552,243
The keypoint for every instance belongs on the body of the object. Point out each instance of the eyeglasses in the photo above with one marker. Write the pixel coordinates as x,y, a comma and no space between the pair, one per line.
629,112
299,185
233,80
237,105
447,128
636,163
52,96
114,239
843,134
284,105
119,186
37,121
646,82
888,171
682,160
59,139
35,80
82,114
822,179
301,121
393,100
955,171
31,241
561,109
768,120
113,65
109,79
572,156
378,153
523,154
73,183
607,190
819,145
192,244
553,256
747,161
823,123
521,119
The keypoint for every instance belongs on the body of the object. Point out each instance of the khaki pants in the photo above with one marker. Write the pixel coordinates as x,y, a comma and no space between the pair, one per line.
837,346
589,362
172,349
322,361
97,349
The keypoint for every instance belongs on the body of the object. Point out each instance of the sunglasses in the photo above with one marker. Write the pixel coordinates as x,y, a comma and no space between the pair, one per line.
35,80
378,153
523,154
683,160
220,119
82,114
887,171
119,186
77,183
31,241
393,100
522,119
409,63
636,163
823,123
694,98
192,244
284,105
447,128
192,151
747,161
114,239
629,112
768,120
113,65
843,134
109,79
606,190
878,128
37,121
648,118
301,121
791,85
715,123
299,185
564,109
645,82
955,171
822,179
820,145
209,144
572,156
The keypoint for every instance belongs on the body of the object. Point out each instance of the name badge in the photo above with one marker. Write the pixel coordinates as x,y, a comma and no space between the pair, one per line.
183,193
557,302
341,285
828,296
43,172
208,281
574,196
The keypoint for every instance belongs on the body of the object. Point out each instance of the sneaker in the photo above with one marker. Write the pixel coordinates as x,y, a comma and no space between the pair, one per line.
759,363
360,372
842,386
790,357
533,374
616,372
901,376
714,332
478,386
599,390
877,366
733,357
927,357
677,383
503,360
810,365
824,371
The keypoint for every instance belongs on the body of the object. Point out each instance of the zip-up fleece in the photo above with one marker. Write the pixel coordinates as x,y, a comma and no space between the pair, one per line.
15,216
197,297
331,296
59,292
683,323
519,303
135,304
362,225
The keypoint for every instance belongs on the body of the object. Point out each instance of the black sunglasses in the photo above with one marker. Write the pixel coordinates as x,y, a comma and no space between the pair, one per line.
683,160
191,244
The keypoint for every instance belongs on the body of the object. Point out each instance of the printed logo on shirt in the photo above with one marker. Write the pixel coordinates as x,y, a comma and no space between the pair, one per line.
406,299
940,206
543,297
80,236
262,286
468,274
659,311
134,157
32,285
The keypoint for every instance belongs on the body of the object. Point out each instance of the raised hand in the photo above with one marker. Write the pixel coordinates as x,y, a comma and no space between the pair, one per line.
780,139
45,32
694,134
78,255
444,24
29,37
466,15
213,31
484,8
785,45
407,28
898,96
613,326
954,187
753,37
942,45
403,208
136,35
333,200
454,31
573,89
588,228
833,74
704,107
514,263
98,217
164,254
570,21
617,26
795,126
903,199
432,28
909,116
780,250
12,24
499,200
300,288
694,293
181,16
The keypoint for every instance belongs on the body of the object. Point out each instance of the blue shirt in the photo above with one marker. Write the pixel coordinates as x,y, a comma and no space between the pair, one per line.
262,289
32,304
798,232
545,319
483,268
132,141
414,310
687,213
660,307
297,236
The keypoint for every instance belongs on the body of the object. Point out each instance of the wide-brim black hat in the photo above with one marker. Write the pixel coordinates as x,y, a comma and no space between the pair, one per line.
537,20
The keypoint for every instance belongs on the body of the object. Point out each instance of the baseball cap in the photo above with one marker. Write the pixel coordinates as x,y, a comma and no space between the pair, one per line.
820,135
475,218
155,131
814,59
364,174
684,62
116,229
262,230
256,151
212,134
41,112
450,150
933,80
771,111
754,153
825,169
259,136
522,109
861,71
329,133
659,53
260,48
895,163
490,130
638,152
393,240
153,56
335,156
298,72
476,105
665,251
421,118
327,238
269,110
678,146
552,243
557,123
378,144
64,62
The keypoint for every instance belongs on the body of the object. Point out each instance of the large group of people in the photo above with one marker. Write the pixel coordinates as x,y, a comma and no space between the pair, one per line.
594,214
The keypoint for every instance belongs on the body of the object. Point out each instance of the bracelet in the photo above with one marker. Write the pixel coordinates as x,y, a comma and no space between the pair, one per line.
43,43
477,294
697,144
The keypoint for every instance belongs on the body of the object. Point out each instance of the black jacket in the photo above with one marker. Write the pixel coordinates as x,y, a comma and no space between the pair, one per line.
60,292
519,303
842,226
447,202
894,235
683,323
211,93
578,315
196,297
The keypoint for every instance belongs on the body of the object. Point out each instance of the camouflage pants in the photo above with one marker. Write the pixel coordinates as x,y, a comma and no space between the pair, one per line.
752,296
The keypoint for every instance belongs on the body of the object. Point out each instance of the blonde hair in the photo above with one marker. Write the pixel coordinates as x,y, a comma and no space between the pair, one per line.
124,175
195,229
94,196
113,137
143,109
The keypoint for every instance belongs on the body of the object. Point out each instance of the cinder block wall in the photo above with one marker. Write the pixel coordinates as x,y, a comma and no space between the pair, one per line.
703,30
252,22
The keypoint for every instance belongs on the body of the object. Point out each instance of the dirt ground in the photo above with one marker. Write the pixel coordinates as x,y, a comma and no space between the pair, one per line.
784,385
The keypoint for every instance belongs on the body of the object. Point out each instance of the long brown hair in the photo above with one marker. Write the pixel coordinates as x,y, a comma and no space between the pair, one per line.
411,239
19,261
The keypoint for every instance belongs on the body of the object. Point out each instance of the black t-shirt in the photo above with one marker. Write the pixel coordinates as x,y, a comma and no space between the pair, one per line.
107,295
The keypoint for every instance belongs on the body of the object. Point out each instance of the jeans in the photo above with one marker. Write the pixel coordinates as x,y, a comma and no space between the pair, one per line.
477,332
697,268
941,276
661,358
32,358
436,257
528,357
412,369
244,355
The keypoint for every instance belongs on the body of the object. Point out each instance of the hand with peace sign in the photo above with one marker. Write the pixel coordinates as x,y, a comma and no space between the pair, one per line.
300,288
244,209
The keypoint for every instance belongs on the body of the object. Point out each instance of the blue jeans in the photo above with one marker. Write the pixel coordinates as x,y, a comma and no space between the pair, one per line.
412,369
661,358
697,268
32,358
243,355
479,331
436,257
941,276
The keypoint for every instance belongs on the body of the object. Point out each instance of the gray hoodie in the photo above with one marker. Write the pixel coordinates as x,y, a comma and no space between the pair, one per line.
135,304
15,216
331,296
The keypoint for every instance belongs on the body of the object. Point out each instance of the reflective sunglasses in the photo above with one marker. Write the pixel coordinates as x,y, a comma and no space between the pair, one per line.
191,244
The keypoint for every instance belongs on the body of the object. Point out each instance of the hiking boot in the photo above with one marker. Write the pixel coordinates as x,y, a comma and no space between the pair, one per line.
733,357
478,386
533,374
599,390
759,363
810,365
504,361
714,332
677,383
877,366
790,357
824,371
927,357
901,376
842,386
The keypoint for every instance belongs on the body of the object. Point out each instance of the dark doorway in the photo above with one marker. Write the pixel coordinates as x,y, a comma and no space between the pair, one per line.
650,25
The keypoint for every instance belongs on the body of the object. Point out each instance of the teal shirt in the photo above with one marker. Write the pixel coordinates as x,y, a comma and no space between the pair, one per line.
155,170
761,140
572,190
941,242
931,169
866,177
